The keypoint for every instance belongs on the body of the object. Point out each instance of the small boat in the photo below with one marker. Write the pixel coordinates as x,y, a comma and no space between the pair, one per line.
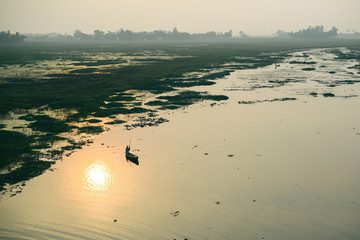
130,156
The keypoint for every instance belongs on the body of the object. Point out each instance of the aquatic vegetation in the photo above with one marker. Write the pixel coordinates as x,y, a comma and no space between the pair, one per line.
116,111
27,171
169,107
44,123
116,122
157,103
356,66
93,120
308,69
91,129
302,62
271,100
84,70
13,145
143,122
328,95
100,62
48,138
121,97
43,145
189,97
355,54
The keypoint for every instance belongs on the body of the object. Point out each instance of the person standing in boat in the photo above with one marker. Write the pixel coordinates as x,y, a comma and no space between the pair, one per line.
127,149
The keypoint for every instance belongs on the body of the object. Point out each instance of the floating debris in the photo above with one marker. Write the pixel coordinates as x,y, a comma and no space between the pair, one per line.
218,203
329,95
115,220
143,122
308,69
175,214
268,100
230,155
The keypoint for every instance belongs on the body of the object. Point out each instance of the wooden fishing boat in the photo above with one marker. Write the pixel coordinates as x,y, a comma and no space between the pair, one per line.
131,157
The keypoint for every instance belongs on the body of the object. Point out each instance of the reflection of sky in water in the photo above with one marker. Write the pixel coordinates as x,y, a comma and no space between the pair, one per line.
97,177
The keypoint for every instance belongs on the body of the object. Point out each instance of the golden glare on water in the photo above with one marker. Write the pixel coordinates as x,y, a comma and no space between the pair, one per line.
97,177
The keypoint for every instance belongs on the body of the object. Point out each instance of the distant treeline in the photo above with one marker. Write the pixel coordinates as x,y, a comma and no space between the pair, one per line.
7,37
316,32
128,35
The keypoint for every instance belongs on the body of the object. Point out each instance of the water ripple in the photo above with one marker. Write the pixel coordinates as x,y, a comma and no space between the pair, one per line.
97,177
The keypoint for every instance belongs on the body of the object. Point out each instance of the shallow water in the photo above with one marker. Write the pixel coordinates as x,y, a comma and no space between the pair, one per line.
271,170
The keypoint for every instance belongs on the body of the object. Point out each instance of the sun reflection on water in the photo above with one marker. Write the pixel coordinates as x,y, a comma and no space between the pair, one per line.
97,177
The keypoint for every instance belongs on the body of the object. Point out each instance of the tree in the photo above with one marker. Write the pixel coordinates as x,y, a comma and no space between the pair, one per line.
7,37
314,32
243,34
99,35
282,34
228,34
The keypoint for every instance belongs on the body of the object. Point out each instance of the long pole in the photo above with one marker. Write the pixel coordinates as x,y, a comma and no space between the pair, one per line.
130,141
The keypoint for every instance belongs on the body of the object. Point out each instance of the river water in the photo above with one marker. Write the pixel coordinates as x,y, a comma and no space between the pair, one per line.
260,165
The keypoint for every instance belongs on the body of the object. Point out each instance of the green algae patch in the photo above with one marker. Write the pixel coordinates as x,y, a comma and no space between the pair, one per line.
116,122
91,129
27,171
115,111
189,97
44,123
308,69
328,95
302,62
85,70
121,97
13,145
94,120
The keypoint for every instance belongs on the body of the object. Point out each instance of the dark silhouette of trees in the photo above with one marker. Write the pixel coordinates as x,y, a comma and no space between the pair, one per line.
128,35
99,35
243,34
316,32
7,37
282,34
78,35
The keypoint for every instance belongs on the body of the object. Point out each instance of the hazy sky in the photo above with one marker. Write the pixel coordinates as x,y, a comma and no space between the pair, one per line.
255,17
